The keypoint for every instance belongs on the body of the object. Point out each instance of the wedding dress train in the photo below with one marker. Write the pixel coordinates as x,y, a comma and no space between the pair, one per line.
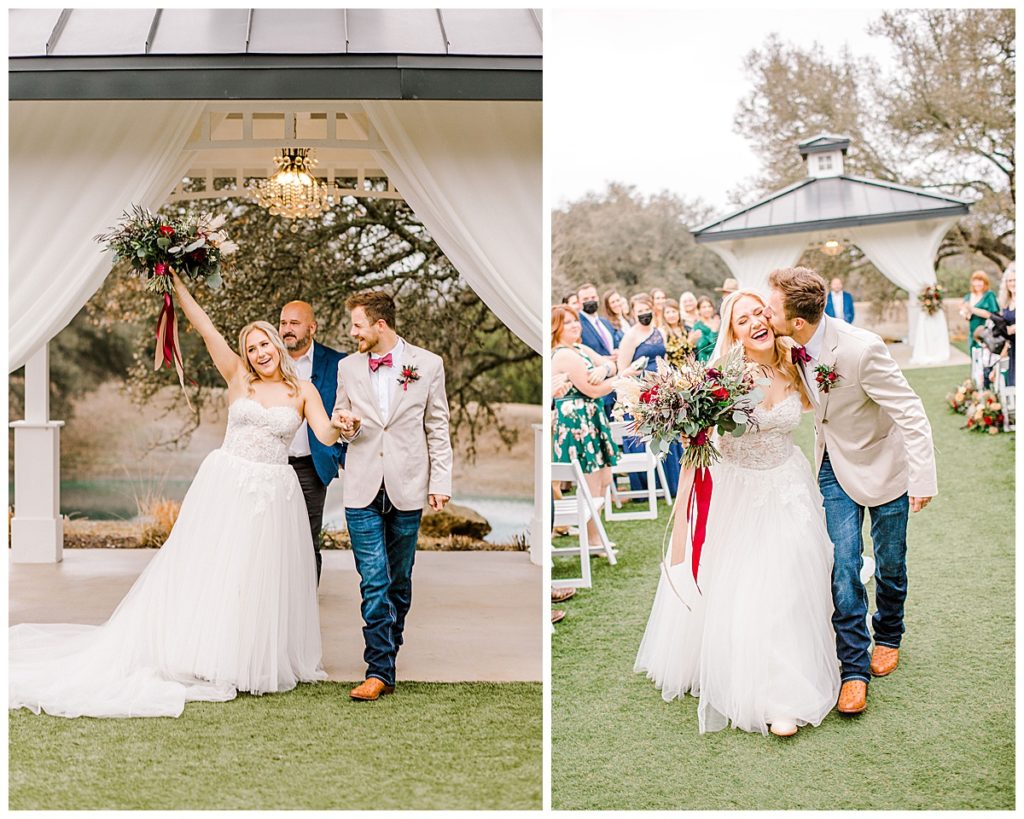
228,604
758,645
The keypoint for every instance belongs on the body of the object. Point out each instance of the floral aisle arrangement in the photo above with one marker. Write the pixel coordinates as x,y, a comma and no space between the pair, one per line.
962,397
689,404
193,246
930,298
985,413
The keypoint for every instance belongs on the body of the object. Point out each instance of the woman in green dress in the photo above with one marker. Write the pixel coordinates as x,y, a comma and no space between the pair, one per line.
579,427
707,325
978,304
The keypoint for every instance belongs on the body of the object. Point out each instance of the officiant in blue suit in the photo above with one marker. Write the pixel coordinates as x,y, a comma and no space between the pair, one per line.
315,464
597,333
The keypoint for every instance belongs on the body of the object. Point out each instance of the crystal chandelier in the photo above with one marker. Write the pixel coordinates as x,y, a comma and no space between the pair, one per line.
293,192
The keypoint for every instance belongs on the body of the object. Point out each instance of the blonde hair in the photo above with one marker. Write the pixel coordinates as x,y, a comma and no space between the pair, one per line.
678,330
783,359
286,365
1004,291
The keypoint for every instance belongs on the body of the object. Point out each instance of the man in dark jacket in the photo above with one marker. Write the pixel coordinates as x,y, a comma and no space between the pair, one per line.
315,464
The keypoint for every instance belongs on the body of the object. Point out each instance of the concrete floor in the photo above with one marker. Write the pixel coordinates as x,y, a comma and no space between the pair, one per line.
476,616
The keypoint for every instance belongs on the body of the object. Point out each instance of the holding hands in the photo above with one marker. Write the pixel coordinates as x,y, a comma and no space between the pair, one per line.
346,422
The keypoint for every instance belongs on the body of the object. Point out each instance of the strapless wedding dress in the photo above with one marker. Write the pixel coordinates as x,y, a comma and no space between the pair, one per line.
758,645
228,604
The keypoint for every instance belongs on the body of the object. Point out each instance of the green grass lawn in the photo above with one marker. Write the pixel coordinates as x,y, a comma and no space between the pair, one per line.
938,733
428,746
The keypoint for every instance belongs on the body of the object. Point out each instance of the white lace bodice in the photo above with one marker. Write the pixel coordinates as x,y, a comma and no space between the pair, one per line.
772,443
259,433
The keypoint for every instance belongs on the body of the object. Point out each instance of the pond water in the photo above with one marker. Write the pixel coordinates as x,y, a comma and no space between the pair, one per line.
113,499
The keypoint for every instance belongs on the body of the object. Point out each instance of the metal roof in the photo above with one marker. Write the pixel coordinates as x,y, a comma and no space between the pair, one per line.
275,54
830,202
824,142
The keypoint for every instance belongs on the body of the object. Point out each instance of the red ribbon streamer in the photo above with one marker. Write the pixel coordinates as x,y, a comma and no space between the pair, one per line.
700,497
168,347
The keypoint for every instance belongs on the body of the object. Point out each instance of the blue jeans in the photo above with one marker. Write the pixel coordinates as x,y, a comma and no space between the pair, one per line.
845,519
384,545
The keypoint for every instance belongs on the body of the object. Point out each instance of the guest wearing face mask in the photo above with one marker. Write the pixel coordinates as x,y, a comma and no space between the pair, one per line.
596,334
645,339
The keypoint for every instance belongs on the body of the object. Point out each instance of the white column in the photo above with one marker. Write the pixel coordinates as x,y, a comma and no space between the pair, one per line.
37,530
538,532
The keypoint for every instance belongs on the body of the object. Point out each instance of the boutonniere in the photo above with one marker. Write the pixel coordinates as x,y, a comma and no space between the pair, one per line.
409,374
826,376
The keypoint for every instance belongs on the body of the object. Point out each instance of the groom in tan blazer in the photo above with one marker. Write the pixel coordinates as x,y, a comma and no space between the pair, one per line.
873,450
393,412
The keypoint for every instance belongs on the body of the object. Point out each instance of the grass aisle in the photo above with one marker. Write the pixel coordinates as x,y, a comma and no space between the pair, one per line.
428,746
938,733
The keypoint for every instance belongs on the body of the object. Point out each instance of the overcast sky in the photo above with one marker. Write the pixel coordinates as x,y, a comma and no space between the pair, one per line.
649,97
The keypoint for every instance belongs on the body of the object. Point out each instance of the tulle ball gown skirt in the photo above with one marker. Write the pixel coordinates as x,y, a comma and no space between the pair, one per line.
228,604
758,644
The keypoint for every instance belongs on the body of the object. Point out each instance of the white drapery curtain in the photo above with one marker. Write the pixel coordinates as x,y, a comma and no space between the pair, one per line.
74,167
905,254
471,171
752,260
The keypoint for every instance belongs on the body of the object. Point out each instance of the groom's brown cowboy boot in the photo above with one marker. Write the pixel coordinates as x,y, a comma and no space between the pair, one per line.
884,660
853,697
370,690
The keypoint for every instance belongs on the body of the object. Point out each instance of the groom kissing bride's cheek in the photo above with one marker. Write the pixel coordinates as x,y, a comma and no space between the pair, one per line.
392,411
873,450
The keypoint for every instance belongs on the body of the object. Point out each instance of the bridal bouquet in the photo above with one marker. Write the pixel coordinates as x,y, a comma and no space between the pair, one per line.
193,246
687,403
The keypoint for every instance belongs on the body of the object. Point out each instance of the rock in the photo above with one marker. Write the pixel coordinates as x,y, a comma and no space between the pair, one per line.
455,520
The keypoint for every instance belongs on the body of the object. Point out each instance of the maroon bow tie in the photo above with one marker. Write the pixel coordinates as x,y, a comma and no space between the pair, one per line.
383,361
800,355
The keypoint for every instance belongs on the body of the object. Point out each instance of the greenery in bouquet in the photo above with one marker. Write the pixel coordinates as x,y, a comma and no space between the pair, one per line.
985,414
686,404
193,246
930,298
962,397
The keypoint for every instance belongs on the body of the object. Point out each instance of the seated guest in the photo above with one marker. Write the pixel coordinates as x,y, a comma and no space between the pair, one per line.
839,304
707,327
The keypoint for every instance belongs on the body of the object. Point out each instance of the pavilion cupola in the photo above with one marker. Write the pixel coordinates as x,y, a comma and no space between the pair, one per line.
823,155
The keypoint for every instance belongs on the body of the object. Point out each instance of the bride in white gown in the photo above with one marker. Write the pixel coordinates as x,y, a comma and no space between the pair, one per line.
229,602
757,647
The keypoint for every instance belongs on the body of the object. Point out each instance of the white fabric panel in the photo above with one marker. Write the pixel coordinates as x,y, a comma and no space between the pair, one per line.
752,260
74,167
471,171
905,253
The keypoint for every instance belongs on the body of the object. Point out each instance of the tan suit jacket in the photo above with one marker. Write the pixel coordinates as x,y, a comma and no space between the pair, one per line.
411,451
874,425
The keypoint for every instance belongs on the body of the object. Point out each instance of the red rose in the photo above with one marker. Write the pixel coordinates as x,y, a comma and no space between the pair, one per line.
831,376
988,421
649,396
699,439
720,392
160,269
166,230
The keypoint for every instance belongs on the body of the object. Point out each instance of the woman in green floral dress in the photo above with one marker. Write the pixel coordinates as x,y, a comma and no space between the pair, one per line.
580,428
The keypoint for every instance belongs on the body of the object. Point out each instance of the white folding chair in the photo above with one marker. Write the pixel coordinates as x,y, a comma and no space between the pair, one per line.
1008,399
578,511
644,462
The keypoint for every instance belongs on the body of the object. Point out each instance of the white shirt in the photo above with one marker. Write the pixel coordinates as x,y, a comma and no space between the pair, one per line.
837,304
385,379
602,331
299,446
